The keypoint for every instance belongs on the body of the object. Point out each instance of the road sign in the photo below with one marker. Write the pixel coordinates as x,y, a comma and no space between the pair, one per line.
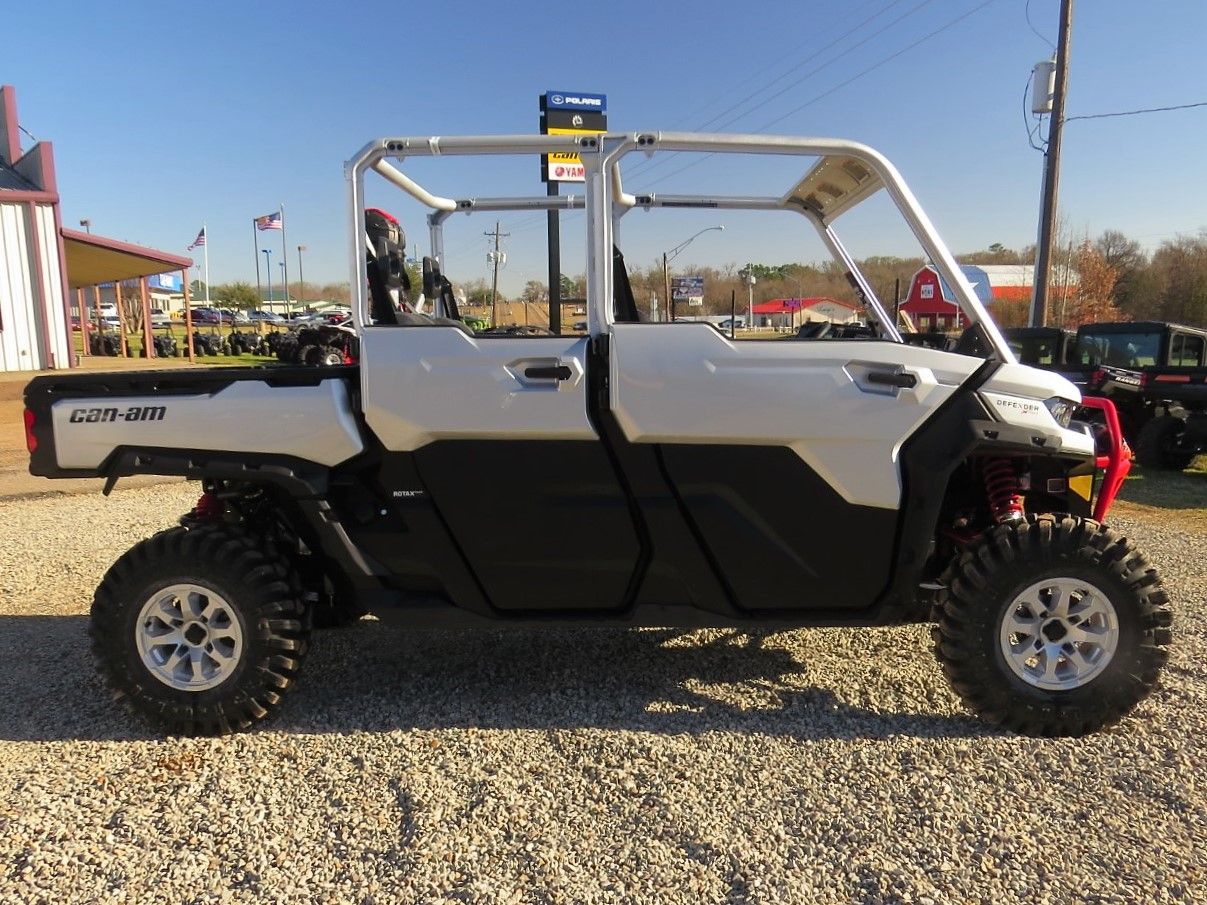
688,289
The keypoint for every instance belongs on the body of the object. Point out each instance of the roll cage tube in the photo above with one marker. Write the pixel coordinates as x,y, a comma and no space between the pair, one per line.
818,196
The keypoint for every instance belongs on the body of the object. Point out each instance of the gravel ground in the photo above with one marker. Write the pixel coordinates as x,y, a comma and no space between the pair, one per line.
576,766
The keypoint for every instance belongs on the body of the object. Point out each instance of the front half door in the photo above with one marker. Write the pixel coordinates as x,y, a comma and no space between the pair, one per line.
784,453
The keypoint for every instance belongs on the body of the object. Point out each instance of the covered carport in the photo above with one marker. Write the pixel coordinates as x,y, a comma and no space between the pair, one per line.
95,260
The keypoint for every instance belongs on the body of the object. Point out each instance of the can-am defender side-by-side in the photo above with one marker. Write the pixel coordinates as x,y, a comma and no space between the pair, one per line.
659,474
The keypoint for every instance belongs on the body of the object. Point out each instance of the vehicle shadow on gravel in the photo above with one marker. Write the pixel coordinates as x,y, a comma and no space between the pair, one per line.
373,677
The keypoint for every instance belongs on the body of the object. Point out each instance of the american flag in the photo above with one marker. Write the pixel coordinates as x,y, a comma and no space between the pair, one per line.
199,241
269,221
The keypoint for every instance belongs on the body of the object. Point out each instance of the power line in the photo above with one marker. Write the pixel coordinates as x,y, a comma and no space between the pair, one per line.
645,167
843,84
1069,119
1034,30
755,72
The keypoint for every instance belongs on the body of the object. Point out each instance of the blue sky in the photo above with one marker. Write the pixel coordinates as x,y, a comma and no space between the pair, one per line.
167,114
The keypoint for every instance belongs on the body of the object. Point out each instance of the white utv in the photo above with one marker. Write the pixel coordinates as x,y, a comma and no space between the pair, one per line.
658,473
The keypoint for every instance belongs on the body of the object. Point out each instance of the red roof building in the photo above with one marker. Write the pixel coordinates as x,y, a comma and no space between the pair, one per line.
787,312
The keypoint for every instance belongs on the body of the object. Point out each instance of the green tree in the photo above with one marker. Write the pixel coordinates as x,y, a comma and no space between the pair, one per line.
236,295
535,292
571,288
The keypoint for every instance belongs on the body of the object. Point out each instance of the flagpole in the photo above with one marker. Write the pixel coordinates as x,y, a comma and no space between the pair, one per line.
206,246
255,239
285,257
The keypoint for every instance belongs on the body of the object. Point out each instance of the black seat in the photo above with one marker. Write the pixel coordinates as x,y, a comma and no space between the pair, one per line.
624,305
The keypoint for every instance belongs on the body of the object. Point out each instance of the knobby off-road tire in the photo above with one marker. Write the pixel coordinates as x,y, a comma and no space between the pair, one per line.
1075,597
1156,445
199,629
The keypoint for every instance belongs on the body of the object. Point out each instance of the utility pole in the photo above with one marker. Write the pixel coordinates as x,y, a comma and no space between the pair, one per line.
1047,221
666,282
301,279
495,258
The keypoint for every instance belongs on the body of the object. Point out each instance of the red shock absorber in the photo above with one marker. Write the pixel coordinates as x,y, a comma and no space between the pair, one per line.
1002,486
208,509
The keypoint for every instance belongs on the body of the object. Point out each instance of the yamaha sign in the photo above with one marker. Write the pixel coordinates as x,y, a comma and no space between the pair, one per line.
569,100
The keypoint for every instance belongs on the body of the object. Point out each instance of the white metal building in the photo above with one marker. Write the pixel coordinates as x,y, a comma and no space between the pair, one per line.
35,330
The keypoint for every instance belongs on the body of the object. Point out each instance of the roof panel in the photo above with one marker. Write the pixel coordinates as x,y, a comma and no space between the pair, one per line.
834,185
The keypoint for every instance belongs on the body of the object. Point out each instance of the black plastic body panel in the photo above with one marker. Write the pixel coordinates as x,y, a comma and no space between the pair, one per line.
545,524
781,535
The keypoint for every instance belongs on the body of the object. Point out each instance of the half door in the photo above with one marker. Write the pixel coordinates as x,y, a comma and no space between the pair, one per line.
500,436
784,453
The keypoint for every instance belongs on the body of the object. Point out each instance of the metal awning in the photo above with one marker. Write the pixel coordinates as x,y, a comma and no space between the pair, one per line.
93,260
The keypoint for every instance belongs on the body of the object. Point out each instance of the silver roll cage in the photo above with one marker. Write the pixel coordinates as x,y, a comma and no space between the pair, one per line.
845,174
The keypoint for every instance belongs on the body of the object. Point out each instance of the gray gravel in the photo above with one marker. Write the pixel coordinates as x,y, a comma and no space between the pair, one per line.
576,766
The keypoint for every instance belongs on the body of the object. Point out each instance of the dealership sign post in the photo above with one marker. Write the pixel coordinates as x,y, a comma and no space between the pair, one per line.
565,113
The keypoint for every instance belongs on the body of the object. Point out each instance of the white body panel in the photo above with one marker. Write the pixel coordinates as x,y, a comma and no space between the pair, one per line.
422,384
683,383
314,423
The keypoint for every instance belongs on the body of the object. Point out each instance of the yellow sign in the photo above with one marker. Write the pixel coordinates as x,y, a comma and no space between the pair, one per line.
566,166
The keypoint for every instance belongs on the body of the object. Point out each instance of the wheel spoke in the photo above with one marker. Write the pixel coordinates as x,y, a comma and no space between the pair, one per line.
1051,657
196,655
1022,625
1078,661
173,662
168,610
1058,600
170,635
196,604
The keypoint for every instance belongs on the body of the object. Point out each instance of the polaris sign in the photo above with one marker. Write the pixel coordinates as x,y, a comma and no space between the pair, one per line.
568,100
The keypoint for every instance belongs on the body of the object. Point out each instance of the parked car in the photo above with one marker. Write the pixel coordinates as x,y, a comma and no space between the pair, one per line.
160,318
205,315
264,317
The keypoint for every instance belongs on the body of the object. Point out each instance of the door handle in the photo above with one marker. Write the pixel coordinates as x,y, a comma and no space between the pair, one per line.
903,379
548,372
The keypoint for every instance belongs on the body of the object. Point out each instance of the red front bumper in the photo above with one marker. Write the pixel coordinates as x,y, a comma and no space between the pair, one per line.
1116,462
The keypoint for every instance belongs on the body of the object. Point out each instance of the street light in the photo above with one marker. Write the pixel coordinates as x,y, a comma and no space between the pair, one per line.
301,279
668,256
268,268
87,224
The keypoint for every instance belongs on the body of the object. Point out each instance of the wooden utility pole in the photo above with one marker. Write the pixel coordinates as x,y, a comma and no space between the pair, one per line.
495,259
1047,221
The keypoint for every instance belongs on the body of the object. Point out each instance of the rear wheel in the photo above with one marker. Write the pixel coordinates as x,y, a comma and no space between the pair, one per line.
199,629
1053,626
1159,445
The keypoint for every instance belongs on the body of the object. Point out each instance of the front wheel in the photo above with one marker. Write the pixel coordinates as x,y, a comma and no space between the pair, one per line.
1055,626
199,629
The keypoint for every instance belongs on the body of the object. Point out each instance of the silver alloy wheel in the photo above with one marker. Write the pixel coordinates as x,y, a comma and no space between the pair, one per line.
1059,634
188,637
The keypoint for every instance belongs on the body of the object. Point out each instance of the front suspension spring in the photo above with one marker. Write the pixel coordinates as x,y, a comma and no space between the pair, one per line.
1002,489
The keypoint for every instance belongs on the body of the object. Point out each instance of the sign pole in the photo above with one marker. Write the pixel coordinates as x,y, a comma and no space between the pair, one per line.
555,263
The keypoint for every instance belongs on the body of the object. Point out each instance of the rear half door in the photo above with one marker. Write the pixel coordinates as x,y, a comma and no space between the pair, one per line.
499,434
784,453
